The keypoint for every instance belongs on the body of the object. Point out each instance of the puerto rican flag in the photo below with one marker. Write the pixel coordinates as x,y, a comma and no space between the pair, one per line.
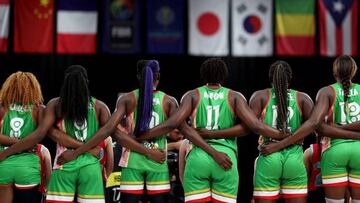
338,22
77,23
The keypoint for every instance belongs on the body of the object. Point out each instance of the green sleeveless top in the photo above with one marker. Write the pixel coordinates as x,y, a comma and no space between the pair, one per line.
82,132
340,115
294,112
214,112
18,122
139,161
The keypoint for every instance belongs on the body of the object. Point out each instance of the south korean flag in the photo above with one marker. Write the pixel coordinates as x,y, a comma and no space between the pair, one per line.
252,28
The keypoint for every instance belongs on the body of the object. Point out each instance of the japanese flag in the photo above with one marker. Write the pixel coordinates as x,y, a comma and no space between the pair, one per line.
208,27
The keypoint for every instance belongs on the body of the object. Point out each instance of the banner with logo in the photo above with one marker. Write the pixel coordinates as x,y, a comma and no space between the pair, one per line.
121,26
165,26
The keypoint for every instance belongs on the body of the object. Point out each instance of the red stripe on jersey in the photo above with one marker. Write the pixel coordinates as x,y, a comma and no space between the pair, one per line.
266,197
206,199
152,192
288,196
136,192
335,184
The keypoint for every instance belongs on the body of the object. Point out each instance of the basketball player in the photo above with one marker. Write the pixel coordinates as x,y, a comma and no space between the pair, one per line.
20,111
284,109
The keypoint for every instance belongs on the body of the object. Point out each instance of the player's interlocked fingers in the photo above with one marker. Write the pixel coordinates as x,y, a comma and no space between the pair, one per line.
223,160
66,156
156,155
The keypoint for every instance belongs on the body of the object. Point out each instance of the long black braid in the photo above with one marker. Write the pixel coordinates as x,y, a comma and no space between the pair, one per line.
280,75
75,94
344,68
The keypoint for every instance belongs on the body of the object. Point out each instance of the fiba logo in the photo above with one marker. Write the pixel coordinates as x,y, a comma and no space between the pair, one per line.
165,16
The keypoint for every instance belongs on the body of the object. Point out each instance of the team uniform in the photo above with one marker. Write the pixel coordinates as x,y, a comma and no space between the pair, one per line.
137,168
340,164
288,174
22,169
204,179
81,175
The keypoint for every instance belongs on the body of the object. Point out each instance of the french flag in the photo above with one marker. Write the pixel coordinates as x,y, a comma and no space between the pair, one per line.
77,26
4,24
338,22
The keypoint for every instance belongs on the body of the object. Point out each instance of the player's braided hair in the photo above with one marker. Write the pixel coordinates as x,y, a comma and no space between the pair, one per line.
21,87
147,71
280,75
213,70
344,69
75,94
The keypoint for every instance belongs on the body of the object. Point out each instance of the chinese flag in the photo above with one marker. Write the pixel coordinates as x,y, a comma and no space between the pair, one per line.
33,26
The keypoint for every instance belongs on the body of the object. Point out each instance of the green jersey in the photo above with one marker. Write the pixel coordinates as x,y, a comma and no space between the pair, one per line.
81,132
342,115
18,122
132,159
214,112
294,118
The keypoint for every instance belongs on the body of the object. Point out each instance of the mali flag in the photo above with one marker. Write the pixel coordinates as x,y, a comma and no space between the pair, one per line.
295,27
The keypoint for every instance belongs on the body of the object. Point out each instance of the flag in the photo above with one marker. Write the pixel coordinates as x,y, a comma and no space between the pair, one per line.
121,26
295,27
208,27
165,26
338,24
76,26
33,26
4,24
252,28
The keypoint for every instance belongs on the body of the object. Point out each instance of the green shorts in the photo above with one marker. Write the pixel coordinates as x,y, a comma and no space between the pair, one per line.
86,181
21,170
205,180
282,173
132,181
340,165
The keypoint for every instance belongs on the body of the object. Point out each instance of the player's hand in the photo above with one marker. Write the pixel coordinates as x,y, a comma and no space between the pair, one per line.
156,155
95,152
223,160
204,133
267,149
285,134
66,156
2,156
175,135
33,149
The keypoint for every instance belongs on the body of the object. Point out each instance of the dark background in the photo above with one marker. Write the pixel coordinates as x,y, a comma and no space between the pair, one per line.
111,74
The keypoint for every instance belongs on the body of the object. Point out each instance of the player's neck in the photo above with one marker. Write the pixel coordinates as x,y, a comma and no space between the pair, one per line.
213,85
